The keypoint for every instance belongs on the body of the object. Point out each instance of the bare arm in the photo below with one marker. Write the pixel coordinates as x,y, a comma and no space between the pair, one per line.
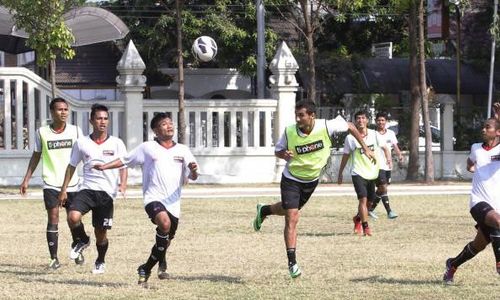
123,181
117,163
355,133
398,154
470,165
343,163
35,159
284,154
387,153
193,167
63,195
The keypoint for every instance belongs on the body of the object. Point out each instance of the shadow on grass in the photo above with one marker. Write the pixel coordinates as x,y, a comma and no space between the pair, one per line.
74,282
325,234
211,278
379,279
4,270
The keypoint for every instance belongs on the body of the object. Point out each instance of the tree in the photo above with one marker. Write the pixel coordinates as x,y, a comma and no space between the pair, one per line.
308,17
47,33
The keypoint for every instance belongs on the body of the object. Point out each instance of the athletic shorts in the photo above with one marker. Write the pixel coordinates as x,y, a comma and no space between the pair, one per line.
51,201
384,177
479,212
99,202
295,194
364,188
154,208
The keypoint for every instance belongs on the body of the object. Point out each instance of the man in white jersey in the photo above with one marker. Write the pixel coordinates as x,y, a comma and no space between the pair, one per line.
384,177
166,167
363,171
53,145
484,204
98,189
306,148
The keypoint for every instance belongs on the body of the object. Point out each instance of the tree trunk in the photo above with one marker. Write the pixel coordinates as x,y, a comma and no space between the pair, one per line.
53,77
181,122
413,161
429,160
309,32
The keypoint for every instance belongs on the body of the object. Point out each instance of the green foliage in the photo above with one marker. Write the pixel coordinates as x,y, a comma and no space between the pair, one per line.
43,22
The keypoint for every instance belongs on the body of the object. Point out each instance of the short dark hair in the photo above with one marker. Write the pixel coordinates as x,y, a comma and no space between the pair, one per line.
382,114
97,107
308,105
361,112
158,118
52,104
497,122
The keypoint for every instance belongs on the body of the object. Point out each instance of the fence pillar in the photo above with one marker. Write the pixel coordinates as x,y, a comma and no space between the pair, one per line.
131,83
448,162
283,88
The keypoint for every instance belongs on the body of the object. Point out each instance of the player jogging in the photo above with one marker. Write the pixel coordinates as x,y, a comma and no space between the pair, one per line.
166,167
384,177
98,188
53,145
484,204
306,148
363,171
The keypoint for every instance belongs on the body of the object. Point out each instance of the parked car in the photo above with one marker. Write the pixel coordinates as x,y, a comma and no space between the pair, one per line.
435,133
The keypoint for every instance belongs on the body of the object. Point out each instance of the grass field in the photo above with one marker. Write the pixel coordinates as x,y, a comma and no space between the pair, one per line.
217,255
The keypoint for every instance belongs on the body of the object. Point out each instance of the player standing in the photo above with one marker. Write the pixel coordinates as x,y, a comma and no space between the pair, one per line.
166,167
306,148
364,172
53,145
98,188
484,204
384,178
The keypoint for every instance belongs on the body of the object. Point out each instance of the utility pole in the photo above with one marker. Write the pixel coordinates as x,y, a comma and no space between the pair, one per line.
261,56
492,58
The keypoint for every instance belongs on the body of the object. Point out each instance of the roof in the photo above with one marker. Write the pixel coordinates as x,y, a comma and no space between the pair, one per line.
93,65
382,75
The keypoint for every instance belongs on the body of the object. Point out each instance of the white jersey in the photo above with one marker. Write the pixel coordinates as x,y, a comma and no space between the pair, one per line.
486,176
91,153
390,140
164,172
333,126
372,141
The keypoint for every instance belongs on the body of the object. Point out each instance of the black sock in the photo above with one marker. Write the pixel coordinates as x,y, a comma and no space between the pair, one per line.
78,233
467,253
385,201
152,259
374,203
495,243
101,251
364,224
265,211
290,253
162,243
52,238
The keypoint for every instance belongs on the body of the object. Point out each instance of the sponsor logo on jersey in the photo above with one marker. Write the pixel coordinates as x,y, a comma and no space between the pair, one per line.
60,144
495,157
108,152
311,147
371,147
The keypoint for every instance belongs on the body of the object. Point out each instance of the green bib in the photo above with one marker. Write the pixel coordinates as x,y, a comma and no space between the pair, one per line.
56,152
361,164
310,153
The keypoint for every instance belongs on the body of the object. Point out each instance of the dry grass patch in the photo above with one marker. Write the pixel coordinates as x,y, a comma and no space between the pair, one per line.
216,254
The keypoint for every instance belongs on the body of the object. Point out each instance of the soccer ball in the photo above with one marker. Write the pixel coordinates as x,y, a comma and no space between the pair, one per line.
204,48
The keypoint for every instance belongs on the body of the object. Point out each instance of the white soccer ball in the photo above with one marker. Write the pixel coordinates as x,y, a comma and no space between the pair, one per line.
204,48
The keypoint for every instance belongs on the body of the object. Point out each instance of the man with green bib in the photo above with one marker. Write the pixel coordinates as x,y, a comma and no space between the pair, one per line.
306,148
364,172
53,144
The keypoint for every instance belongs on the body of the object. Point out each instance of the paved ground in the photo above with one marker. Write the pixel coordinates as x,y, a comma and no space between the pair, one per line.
233,191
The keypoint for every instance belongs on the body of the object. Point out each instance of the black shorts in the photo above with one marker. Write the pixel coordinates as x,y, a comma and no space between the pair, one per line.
384,177
295,194
51,201
154,208
478,213
99,202
364,188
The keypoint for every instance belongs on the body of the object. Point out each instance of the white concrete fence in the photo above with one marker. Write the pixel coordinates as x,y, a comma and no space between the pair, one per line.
233,140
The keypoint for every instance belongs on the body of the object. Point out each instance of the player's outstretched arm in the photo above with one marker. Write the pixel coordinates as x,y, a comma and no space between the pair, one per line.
117,163
35,158
63,195
355,133
496,109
